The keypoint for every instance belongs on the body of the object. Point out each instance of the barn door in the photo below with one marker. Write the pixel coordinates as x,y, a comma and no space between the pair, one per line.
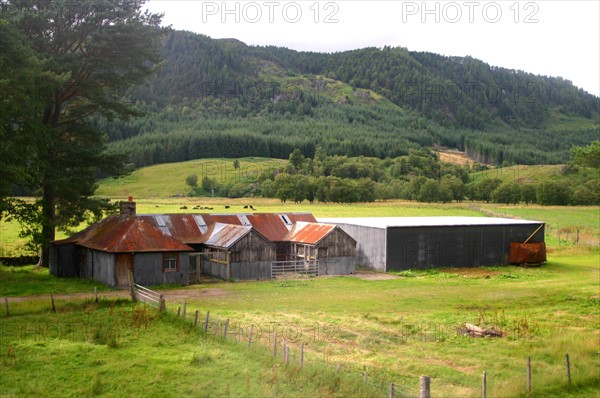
123,264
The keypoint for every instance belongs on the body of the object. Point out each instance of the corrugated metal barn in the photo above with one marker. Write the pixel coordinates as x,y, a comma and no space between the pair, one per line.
401,243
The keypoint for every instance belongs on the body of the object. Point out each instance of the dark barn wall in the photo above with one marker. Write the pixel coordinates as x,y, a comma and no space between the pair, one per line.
63,260
148,270
457,246
370,245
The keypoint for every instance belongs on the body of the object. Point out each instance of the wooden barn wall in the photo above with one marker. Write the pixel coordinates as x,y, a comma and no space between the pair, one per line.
63,260
252,248
454,246
338,244
337,265
148,270
245,271
100,266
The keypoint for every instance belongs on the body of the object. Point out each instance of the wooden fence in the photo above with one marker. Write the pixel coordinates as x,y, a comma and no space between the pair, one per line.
147,296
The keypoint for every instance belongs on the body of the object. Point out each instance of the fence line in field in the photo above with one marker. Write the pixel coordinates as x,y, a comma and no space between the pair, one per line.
283,350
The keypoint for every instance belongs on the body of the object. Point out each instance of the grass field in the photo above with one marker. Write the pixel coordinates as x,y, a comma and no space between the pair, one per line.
166,180
397,329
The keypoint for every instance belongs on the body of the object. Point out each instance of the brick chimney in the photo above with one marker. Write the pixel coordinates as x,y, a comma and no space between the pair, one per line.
127,208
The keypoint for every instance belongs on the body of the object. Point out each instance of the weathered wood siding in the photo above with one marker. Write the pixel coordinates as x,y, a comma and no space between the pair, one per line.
252,248
63,260
337,244
148,270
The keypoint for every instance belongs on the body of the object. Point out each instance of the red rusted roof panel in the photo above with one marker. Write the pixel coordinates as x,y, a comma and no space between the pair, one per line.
122,234
309,233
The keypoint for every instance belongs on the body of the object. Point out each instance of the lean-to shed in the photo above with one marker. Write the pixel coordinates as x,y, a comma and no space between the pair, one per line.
328,244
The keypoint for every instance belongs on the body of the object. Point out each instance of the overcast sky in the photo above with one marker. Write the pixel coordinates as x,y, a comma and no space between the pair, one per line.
547,37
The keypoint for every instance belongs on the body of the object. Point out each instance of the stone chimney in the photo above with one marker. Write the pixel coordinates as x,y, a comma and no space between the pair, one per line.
127,208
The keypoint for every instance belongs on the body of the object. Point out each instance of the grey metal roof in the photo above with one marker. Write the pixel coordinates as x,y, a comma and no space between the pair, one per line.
384,222
226,235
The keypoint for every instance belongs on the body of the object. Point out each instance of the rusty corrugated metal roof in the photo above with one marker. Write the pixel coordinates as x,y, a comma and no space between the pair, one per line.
226,235
162,232
309,232
122,234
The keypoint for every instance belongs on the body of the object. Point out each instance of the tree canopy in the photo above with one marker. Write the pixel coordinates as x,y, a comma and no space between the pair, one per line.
82,59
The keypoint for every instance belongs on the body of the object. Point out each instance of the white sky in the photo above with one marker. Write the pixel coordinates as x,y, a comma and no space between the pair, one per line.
545,37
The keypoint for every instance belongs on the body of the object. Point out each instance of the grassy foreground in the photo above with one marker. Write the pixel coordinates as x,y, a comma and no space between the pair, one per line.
396,329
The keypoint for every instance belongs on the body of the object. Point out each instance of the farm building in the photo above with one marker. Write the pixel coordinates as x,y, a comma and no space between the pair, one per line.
178,248
401,243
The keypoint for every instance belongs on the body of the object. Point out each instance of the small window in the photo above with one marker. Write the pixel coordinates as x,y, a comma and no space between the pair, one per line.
286,220
170,262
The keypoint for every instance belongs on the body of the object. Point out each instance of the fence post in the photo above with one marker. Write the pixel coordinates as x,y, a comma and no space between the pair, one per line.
250,336
178,311
95,294
6,305
196,319
132,287
484,385
162,305
425,387
275,344
528,374
184,309
206,322
577,238
284,349
392,392
568,365
52,300
301,355
225,329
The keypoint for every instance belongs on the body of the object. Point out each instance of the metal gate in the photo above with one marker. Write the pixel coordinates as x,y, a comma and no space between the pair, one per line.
310,267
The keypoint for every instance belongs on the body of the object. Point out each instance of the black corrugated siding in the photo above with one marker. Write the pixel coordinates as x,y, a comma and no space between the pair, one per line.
454,246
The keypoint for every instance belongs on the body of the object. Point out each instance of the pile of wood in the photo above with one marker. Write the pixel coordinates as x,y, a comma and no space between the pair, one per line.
476,331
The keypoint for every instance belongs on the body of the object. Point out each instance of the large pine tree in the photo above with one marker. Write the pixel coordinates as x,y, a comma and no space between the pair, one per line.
91,52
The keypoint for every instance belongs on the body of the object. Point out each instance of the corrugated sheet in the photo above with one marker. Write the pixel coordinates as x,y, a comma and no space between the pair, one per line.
122,234
309,233
527,253
226,235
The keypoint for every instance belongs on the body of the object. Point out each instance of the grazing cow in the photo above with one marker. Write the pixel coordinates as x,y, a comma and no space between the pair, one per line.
183,207
245,207
227,206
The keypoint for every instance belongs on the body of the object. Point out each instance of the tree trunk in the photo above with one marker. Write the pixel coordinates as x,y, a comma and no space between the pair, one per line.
48,224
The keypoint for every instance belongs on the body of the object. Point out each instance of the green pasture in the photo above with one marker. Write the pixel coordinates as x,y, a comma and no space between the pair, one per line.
394,329
166,180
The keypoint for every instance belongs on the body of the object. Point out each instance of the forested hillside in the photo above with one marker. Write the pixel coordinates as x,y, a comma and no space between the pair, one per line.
222,98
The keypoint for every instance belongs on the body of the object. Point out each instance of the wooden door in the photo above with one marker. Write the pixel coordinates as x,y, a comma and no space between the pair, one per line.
123,264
